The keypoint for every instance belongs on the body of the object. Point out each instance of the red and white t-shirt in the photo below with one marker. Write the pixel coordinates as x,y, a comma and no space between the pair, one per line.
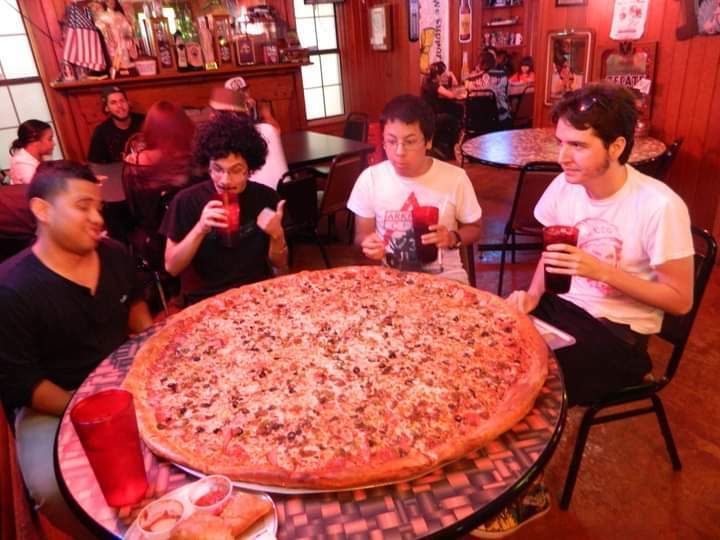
642,225
382,194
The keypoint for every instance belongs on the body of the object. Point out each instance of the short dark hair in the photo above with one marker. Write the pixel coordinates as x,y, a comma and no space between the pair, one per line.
51,177
107,91
437,69
28,132
229,133
528,61
409,109
606,108
487,61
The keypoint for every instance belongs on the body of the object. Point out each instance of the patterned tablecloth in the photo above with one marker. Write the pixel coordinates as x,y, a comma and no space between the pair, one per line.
445,502
517,147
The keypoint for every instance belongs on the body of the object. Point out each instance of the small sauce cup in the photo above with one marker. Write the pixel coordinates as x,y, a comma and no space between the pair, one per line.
211,494
157,520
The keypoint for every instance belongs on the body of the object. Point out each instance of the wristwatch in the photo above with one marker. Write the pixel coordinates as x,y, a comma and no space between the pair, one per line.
458,240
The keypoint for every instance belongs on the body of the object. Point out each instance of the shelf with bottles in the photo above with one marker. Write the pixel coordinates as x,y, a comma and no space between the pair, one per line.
503,40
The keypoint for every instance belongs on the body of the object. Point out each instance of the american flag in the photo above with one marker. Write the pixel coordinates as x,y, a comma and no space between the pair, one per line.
82,41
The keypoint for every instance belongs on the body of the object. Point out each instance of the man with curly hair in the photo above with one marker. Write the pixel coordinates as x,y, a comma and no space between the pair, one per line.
209,245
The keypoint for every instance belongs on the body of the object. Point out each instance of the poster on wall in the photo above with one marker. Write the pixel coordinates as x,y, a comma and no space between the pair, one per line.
633,66
434,16
628,20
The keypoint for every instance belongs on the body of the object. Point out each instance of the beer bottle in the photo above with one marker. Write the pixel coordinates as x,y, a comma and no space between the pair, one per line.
465,27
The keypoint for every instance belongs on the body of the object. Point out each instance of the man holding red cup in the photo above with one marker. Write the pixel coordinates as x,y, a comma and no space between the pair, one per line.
412,209
634,254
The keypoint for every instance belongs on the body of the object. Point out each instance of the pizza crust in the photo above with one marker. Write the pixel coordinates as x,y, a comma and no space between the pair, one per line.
366,467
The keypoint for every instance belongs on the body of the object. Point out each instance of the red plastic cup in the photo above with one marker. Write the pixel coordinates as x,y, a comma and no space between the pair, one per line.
423,217
231,206
558,234
106,425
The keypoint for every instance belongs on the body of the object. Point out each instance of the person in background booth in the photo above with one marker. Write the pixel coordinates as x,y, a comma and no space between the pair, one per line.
210,248
436,90
260,111
109,138
486,76
68,301
385,194
523,78
34,142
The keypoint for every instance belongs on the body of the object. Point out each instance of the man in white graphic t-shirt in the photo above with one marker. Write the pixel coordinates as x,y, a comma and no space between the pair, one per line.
385,196
634,257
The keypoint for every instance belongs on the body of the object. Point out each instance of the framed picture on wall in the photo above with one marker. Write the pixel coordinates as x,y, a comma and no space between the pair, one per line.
562,3
380,27
568,62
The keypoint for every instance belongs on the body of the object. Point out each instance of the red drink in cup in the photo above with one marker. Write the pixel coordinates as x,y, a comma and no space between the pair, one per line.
558,234
106,425
232,209
423,217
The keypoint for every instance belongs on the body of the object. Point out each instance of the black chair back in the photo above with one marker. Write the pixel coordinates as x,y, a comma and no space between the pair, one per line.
447,135
659,167
676,331
298,188
344,171
481,113
524,104
534,179
356,127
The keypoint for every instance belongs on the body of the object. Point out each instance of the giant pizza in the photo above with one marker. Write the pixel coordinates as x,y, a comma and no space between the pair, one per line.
334,379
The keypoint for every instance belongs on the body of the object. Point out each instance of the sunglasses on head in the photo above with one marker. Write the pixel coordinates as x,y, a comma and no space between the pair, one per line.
588,102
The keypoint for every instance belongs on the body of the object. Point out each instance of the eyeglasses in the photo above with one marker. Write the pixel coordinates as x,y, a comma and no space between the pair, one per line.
239,169
588,102
409,146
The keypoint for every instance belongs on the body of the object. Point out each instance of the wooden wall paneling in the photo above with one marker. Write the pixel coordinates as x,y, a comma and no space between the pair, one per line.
373,77
686,94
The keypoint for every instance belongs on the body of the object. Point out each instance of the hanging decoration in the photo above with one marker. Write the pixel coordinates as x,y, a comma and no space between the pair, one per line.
629,17
434,15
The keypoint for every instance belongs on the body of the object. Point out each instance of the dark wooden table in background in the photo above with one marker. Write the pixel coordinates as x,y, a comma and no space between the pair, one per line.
303,148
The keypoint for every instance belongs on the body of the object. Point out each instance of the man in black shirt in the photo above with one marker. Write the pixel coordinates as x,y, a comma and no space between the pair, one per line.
68,301
108,140
208,244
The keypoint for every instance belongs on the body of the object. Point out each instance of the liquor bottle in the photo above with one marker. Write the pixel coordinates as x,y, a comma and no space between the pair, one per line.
223,42
465,69
182,61
165,57
206,42
193,49
465,27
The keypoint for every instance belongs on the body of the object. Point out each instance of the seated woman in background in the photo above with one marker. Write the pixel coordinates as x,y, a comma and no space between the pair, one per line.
436,91
486,77
157,165
523,78
34,142
165,144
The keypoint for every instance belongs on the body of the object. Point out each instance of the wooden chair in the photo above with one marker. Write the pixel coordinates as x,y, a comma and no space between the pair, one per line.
343,173
676,331
659,167
356,128
532,183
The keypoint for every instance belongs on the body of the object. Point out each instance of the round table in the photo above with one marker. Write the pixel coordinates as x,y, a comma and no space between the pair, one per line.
515,148
446,502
